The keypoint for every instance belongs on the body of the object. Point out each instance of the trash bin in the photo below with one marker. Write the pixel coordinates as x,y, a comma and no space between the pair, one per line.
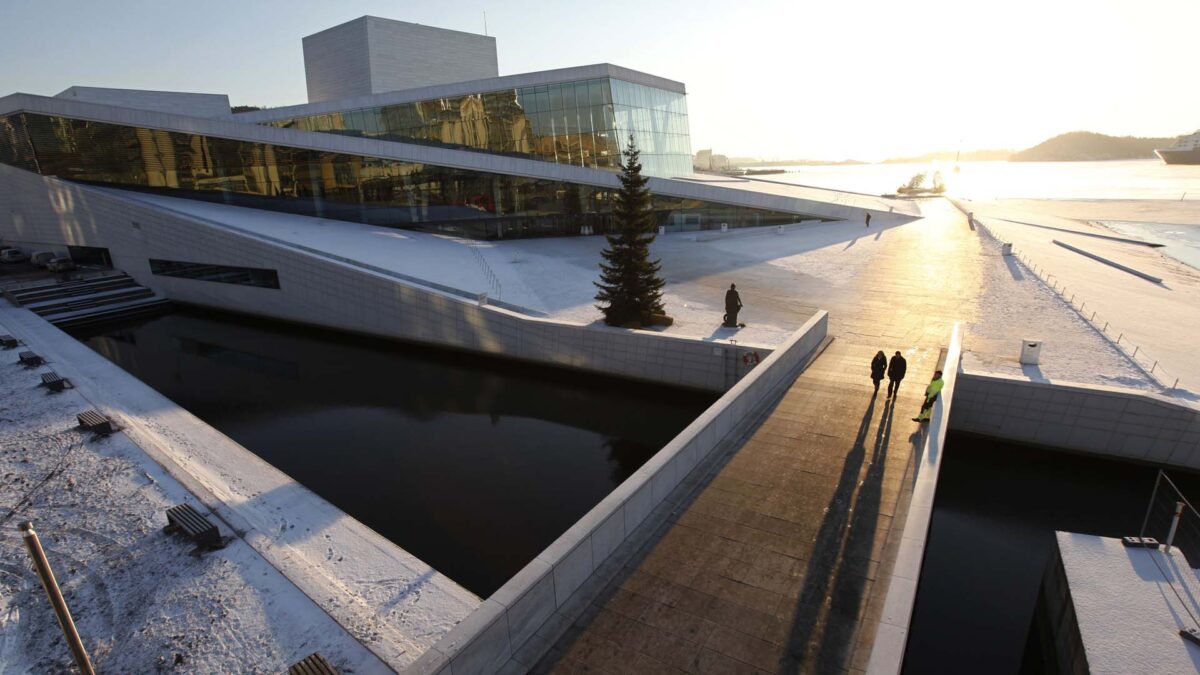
1031,352
724,227
1006,248
779,230
662,229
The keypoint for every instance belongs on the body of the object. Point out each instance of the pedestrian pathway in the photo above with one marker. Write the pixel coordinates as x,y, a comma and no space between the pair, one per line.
769,560
771,565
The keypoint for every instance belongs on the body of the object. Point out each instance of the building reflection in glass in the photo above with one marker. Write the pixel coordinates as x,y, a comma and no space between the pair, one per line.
370,190
583,123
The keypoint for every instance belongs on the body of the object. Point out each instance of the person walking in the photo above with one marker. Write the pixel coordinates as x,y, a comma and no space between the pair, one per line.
931,394
733,304
878,365
896,369
868,220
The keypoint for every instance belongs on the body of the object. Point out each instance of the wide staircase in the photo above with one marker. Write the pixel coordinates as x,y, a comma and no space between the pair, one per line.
79,302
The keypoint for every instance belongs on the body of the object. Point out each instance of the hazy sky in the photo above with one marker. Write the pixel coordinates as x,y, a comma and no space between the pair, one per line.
858,79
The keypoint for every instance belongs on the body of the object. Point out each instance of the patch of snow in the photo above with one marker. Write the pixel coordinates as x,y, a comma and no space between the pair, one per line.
1154,323
140,601
1131,604
387,599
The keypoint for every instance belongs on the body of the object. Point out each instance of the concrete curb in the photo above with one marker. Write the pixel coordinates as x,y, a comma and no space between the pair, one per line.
891,636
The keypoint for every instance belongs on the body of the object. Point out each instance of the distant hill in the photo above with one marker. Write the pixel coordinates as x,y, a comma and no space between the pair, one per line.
1085,146
950,155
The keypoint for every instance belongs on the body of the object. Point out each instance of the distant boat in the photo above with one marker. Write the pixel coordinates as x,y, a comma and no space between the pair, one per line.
1185,151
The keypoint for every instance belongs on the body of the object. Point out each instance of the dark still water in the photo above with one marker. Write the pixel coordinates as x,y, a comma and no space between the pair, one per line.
473,464
991,537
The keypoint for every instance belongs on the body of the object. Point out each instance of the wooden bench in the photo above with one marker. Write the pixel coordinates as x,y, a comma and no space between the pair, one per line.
313,664
8,341
183,518
54,382
92,420
29,359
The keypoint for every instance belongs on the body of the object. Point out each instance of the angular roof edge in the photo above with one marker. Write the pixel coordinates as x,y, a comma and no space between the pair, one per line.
817,202
534,79
66,93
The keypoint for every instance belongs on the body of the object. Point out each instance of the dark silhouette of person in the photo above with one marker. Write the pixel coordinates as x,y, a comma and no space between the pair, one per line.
733,304
878,365
896,369
868,220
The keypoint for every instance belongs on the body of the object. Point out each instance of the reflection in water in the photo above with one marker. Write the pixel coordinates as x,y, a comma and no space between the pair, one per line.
472,464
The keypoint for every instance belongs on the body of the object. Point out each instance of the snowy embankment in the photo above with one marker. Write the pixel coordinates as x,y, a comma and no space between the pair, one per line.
1130,605
1152,325
260,604
783,279
141,602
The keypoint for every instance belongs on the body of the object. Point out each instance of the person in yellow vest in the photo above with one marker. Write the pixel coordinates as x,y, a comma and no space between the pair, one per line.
931,394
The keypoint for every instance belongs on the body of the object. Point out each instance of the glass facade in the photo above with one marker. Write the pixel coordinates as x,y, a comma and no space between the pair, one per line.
222,274
585,123
370,190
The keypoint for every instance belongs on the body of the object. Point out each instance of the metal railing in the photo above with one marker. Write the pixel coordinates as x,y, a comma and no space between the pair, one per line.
489,276
1135,353
1173,521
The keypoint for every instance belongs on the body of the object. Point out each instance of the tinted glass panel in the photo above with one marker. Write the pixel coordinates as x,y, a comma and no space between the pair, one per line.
370,190
511,122
242,276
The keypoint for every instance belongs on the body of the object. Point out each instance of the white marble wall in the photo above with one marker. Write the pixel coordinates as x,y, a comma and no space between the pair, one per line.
1098,420
37,212
336,62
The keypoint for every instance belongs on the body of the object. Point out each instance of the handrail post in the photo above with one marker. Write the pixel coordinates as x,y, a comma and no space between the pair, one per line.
56,598
1174,526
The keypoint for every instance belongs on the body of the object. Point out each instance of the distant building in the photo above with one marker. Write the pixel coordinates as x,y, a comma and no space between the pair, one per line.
703,160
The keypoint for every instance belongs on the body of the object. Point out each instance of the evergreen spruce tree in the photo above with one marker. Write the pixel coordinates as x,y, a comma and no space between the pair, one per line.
630,287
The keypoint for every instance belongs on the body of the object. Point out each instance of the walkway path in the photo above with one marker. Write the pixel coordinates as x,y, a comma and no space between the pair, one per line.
769,563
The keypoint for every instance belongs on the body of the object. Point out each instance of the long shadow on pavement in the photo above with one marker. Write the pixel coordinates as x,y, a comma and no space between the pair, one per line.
828,609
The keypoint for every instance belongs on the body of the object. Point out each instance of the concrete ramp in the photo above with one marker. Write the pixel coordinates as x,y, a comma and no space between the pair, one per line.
771,559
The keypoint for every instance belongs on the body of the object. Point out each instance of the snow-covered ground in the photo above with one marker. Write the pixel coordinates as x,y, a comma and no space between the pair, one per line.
782,279
141,602
1159,321
1130,605
298,557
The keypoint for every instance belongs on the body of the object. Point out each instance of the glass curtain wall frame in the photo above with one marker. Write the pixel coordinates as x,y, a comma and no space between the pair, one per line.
584,123
376,191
